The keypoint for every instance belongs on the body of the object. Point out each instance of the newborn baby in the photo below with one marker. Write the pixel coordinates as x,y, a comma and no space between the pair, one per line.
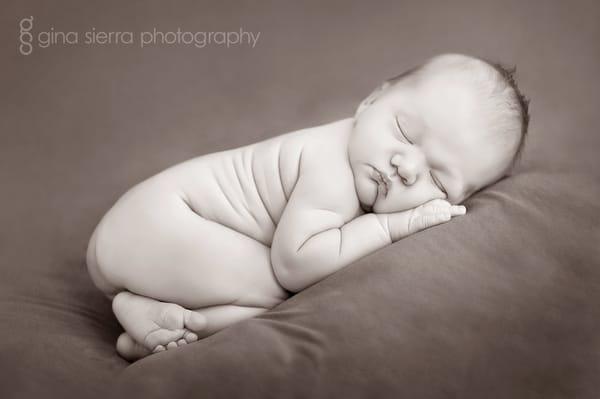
226,236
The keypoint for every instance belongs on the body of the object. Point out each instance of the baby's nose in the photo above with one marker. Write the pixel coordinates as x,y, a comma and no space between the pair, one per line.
406,169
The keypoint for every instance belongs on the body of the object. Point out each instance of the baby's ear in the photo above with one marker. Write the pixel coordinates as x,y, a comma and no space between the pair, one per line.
372,97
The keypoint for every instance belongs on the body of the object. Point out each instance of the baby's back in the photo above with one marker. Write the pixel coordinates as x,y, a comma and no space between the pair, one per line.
246,188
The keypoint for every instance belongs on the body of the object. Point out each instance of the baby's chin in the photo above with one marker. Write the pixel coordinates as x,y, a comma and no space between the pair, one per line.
366,197
371,197
373,205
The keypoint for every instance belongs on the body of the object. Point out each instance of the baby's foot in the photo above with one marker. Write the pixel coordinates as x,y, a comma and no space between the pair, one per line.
129,349
156,325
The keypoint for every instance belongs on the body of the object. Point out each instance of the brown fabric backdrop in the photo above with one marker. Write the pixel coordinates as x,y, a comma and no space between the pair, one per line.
501,303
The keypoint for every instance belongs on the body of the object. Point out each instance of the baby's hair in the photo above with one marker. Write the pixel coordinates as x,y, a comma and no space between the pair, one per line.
508,75
498,80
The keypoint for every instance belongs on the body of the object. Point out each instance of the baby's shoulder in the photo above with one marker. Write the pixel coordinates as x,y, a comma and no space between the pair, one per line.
304,152
325,177
324,146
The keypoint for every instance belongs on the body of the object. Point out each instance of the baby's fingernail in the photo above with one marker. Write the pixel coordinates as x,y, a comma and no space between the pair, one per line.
458,210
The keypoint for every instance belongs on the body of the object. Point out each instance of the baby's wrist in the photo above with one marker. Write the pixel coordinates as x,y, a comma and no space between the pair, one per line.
398,224
383,220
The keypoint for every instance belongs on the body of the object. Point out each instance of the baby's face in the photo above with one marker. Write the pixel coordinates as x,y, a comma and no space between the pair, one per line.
414,144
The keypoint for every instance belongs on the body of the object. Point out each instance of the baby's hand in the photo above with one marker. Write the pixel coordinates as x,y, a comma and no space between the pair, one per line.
429,214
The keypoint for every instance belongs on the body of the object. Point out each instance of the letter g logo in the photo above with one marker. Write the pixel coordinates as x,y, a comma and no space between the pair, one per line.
25,36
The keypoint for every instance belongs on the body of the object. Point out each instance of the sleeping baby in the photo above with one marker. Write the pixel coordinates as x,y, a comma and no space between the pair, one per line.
226,236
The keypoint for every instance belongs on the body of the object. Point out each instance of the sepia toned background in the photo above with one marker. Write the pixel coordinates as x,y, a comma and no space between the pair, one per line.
501,304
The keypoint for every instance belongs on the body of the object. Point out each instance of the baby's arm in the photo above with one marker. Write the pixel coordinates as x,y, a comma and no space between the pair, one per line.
311,242
402,224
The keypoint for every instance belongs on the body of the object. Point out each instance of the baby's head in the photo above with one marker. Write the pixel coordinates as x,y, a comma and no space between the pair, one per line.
445,129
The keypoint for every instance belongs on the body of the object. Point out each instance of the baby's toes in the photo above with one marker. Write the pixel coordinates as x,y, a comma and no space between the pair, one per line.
172,345
159,348
161,337
190,337
176,344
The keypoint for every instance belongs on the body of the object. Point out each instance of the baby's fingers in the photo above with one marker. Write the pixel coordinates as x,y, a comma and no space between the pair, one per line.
432,220
456,210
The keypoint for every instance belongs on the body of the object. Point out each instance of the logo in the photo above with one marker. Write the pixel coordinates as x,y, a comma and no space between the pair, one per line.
25,36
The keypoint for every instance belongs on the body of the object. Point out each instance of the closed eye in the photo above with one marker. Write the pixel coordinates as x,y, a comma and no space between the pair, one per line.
438,183
402,131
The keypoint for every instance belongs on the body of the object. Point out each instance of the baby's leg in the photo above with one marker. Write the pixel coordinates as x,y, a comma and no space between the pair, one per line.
161,254
156,246
208,321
